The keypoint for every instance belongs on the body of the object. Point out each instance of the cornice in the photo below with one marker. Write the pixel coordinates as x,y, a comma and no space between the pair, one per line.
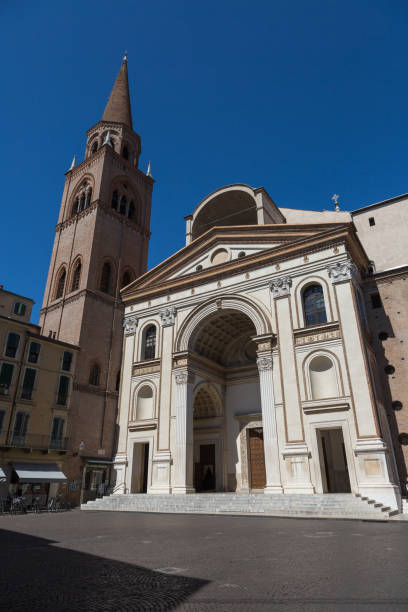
217,235
316,243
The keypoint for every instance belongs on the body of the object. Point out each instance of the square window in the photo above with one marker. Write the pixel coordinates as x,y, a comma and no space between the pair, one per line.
19,309
376,300
371,221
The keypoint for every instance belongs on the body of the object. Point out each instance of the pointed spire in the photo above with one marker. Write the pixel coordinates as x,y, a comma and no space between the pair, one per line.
149,170
73,162
118,106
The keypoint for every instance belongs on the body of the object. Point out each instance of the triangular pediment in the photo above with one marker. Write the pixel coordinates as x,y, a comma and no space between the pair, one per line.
224,250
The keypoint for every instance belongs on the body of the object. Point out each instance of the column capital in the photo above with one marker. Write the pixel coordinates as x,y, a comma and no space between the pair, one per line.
342,271
264,363
183,377
167,316
264,343
280,287
129,324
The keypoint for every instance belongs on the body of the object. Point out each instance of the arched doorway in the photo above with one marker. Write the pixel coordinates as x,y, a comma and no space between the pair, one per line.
223,355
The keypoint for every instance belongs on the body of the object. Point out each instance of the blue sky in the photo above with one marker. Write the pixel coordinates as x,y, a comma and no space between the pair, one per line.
303,98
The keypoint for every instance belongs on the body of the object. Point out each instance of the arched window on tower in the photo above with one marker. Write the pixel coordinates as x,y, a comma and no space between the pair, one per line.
131,212
94,375
76,277
115,200
149,343
94,147
106,278
125,152
75,207
126,279
60,284
123,205
313,305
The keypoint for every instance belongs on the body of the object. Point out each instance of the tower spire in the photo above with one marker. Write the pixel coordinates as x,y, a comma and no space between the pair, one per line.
118,107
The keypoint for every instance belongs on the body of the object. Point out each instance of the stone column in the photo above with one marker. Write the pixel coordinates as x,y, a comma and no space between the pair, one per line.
373,472
270,433
120,461
184,432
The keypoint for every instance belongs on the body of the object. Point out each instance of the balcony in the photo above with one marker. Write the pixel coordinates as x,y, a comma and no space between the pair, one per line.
42,442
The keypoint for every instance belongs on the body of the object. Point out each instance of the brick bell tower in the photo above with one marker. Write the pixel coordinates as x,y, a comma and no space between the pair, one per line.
101,245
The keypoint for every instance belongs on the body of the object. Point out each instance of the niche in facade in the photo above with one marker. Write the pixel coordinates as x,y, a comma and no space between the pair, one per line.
323,379
144,403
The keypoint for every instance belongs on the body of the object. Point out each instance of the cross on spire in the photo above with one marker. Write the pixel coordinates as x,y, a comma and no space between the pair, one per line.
335,199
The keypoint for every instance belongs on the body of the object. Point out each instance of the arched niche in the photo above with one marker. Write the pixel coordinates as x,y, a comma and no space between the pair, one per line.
323,377
144,403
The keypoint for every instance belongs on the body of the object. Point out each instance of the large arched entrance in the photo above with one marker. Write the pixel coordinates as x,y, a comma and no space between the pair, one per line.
223,355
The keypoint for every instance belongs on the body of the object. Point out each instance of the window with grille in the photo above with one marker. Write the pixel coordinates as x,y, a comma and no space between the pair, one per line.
34,352
67,361
76,277
313,305
28,384
13,340
149,348
20,427
57,432
63,389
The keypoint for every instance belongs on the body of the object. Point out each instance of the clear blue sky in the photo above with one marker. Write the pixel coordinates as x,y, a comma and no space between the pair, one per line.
303,98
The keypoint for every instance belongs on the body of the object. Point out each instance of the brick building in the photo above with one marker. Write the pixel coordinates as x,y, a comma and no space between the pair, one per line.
101,244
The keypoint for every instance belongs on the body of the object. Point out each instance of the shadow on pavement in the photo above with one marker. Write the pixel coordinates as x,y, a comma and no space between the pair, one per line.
39,576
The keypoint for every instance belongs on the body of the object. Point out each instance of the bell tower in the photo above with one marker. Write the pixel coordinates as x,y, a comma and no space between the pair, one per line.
101,245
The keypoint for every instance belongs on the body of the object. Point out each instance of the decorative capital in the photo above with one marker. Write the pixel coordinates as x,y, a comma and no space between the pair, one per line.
342,271
129,324
280,287
167,316
264,363
182,378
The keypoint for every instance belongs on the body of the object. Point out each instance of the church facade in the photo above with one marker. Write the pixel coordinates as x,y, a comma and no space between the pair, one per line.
247,361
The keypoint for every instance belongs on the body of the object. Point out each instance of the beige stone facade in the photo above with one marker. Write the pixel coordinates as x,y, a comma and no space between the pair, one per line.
260,374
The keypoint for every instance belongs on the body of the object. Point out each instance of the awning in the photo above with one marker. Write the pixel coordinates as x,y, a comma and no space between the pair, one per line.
38,472
3,477
103,462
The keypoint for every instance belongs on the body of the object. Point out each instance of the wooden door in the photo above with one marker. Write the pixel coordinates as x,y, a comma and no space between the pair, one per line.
257,458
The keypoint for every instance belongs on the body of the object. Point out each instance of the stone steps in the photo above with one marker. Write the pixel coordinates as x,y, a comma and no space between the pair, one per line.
317,505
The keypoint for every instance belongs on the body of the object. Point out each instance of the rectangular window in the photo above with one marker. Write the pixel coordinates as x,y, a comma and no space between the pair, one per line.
19,309
6,376
28,384
57,432
2,415
13,341
67,361
371,221
63,390
376,300
20,428
34,352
